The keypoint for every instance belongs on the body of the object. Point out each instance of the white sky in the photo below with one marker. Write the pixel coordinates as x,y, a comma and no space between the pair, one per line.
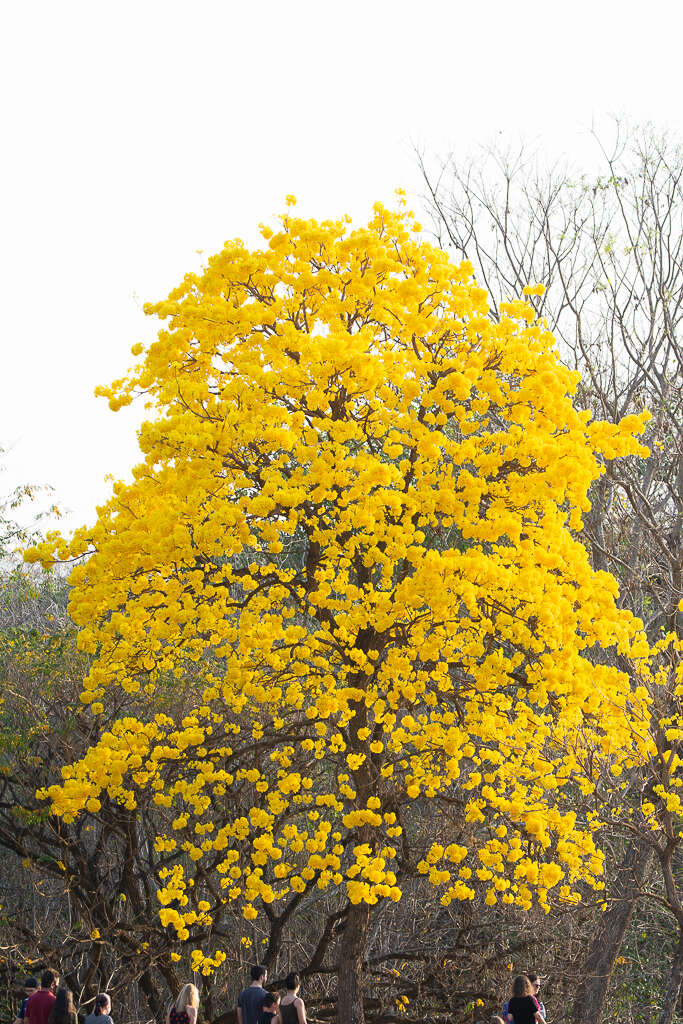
136,133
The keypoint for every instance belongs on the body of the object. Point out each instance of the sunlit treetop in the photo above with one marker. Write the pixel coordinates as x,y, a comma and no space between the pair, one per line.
355,530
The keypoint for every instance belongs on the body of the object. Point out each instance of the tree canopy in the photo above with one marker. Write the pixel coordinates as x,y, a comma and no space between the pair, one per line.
353,543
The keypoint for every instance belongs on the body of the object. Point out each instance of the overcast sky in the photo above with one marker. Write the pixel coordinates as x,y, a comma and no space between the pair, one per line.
135,134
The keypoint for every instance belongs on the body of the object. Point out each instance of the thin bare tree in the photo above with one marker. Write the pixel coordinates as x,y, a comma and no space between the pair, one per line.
609,249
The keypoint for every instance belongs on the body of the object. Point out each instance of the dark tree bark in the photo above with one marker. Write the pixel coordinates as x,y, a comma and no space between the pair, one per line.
673,985
350,973
152,995
604,949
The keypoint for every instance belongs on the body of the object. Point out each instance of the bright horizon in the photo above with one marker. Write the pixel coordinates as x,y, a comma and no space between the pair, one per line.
137,136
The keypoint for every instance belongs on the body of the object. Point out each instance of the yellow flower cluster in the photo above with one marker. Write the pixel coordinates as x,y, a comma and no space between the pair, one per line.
350,550
659,803
205,963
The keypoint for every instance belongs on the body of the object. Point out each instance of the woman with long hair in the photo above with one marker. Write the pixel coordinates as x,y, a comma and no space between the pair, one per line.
63,1010
292,1009
101,1010
184,1010
522,1007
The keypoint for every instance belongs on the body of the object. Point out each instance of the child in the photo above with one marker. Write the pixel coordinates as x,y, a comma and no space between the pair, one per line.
269,1007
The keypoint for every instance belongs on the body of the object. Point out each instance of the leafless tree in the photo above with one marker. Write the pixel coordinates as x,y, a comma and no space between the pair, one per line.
609,249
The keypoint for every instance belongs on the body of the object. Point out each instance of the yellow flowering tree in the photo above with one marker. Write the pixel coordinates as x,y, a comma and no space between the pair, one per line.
645,806
354,529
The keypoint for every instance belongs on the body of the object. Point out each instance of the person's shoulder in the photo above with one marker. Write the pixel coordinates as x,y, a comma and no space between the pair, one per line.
41,996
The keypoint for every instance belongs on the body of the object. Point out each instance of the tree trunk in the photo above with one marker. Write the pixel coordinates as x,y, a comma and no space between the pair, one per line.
606,944
153,996
673,985
350,971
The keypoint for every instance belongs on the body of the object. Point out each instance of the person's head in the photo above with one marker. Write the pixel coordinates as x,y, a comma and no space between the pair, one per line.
497,1020
188,996
259,973
521,986
49,979
102,1004
293,981
535,983
64,1005
270,1001
30,985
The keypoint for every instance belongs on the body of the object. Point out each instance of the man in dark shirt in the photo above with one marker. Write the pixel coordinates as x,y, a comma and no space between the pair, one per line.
250,1000
41,1002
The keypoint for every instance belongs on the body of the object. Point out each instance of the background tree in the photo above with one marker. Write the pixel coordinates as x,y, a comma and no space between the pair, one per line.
608,248
13,506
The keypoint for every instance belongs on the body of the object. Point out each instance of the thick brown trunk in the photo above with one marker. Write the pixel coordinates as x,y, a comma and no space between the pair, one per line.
153,996
604,949
673,985
350,971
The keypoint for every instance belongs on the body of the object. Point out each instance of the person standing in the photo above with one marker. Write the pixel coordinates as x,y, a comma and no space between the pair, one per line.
63,1010
41,1002
522,1007
269,1008
250,999
30,986
292,1008
101,1010
184,1010
536,986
